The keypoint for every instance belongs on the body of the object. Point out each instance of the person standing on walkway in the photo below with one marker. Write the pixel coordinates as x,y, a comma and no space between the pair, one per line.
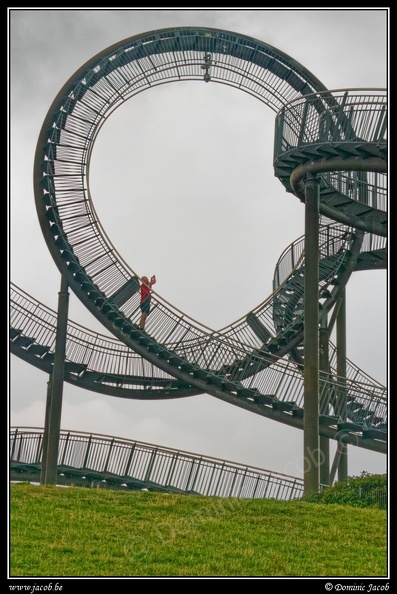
146,296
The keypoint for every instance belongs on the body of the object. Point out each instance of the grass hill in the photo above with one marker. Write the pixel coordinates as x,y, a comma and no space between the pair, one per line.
80,532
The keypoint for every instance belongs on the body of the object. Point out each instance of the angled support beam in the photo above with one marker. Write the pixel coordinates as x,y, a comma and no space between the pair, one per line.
55,393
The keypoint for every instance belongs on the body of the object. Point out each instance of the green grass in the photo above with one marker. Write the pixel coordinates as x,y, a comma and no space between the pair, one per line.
71,532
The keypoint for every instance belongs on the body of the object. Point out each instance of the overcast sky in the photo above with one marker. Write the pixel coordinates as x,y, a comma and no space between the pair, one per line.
190,166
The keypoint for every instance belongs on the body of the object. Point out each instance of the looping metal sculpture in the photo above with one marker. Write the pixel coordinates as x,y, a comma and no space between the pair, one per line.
257,361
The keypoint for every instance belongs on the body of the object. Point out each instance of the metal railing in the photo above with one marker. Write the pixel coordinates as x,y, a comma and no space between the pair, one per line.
143,465
337,118
357,397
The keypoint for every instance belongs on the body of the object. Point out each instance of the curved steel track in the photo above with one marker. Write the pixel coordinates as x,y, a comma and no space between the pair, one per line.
256,362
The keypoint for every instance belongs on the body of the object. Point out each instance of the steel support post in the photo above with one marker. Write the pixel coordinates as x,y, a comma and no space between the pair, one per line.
311,340
341,373
324,405
54,405
335,463
45,433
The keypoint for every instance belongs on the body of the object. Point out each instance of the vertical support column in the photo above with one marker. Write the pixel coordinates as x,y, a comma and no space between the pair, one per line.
311,380
341,372
324,406
45,434
54,406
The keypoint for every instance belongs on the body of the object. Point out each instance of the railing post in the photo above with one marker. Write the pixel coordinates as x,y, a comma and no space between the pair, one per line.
108,455
221,468
197,468
236,472
65,449
242,482
209,486
38,447
172,468
131,455
87,452
278,133
151,464
14,441
303,123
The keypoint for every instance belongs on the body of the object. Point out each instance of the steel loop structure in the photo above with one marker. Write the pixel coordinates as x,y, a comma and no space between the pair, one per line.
256,362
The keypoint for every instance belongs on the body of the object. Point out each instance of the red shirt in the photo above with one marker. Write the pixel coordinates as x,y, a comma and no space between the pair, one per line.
145,292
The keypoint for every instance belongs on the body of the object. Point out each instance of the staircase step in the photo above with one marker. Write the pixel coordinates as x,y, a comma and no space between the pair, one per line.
375,434
38,349
75,368
243,392
328,420
348,426
14,332
24,341
284,405
263,399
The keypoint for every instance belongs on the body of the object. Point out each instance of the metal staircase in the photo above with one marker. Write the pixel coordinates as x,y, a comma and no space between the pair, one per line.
256,362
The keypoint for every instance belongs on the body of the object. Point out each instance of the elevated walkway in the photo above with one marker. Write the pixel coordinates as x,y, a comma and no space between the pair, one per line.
114,463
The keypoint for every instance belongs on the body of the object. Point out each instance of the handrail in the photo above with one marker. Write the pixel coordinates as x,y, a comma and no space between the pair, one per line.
341,136
134,464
